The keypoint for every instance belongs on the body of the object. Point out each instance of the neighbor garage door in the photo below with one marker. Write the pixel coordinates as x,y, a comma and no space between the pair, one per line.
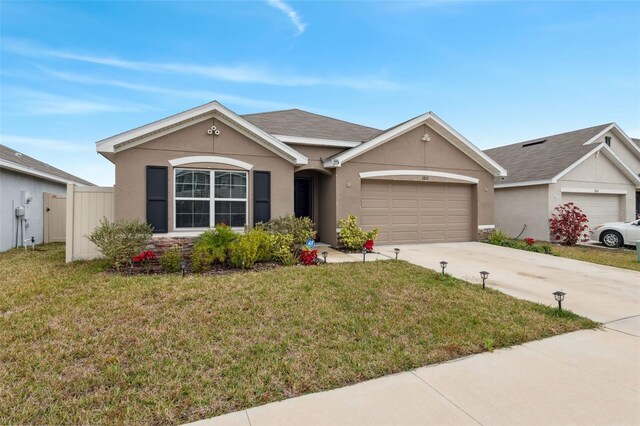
416,212
599,208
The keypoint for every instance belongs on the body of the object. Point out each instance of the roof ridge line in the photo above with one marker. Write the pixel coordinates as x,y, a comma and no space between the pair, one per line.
319,115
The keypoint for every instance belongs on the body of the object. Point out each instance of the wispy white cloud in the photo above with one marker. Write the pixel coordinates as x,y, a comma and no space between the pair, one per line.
15,141
32,102
290,12
236,73
199,95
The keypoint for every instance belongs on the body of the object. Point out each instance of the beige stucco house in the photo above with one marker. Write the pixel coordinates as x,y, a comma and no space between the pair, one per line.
419,181
596,168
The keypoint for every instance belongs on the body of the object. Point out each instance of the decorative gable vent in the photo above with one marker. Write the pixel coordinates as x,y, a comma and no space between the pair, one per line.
534,143
607,140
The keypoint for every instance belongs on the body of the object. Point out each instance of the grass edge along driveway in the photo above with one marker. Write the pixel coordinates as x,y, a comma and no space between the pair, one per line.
82,346
619,258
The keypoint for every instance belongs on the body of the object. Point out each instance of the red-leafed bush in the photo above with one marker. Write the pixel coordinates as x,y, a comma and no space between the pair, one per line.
144,255
309,257
368,245
530,241
568,224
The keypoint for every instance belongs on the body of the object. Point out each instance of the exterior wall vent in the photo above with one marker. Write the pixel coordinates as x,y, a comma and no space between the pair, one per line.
607,140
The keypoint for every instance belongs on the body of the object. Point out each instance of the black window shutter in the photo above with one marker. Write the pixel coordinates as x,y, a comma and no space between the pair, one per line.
261,197
157,198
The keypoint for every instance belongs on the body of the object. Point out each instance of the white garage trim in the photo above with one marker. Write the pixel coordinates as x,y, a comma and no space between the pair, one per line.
595,191
482,227
210,159
388,173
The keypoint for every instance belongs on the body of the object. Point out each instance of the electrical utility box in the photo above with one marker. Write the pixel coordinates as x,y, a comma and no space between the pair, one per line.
20,212
25,201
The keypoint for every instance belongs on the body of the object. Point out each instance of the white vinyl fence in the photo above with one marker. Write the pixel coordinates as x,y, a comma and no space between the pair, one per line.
86,206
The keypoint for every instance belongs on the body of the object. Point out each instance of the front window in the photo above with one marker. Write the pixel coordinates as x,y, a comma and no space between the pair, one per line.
198,205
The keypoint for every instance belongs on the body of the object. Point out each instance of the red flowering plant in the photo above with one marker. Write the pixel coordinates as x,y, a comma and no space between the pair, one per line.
530,241
568,224
143,258
368,245
309,257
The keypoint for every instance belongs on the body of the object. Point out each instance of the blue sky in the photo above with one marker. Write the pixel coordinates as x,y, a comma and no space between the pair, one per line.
73,73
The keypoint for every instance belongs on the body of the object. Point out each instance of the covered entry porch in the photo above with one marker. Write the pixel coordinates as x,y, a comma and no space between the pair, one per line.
314,197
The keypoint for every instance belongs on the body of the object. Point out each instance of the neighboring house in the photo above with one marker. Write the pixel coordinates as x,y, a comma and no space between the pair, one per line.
596,168
419,181
23,181
637,142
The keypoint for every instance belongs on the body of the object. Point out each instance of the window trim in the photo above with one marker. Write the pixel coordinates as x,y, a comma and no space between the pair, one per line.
212,199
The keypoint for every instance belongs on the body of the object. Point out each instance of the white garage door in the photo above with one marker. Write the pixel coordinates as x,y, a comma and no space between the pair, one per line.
599,208
416,212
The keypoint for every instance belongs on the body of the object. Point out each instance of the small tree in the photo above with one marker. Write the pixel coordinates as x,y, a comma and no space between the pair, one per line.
568,224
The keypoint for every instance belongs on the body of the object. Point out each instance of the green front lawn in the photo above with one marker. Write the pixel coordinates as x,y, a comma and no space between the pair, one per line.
82,346
621,257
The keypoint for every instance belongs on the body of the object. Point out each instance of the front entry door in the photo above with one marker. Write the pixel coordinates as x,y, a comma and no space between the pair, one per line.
302,197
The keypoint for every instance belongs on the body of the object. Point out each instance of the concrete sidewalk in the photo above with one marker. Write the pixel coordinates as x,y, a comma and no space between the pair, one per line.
585,377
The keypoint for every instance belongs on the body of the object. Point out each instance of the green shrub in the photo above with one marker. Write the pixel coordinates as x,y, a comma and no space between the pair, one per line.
243,252
170,260
498,236
202,260
300,228
351,236
215,242
502,239
121,240
288,259
281,249
265,243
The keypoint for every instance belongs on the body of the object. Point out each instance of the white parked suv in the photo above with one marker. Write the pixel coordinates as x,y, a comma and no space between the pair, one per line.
616,234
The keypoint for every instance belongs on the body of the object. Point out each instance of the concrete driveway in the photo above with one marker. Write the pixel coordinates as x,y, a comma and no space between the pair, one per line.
602,293
585,377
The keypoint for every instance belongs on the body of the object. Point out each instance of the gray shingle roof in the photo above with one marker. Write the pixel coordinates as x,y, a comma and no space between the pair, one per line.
23,160
636,141
543,160
295,122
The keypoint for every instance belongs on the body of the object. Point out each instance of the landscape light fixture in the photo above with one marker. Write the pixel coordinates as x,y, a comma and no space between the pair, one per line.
183,266
364,254
443,265
559,295
324,255
484,275
397,250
